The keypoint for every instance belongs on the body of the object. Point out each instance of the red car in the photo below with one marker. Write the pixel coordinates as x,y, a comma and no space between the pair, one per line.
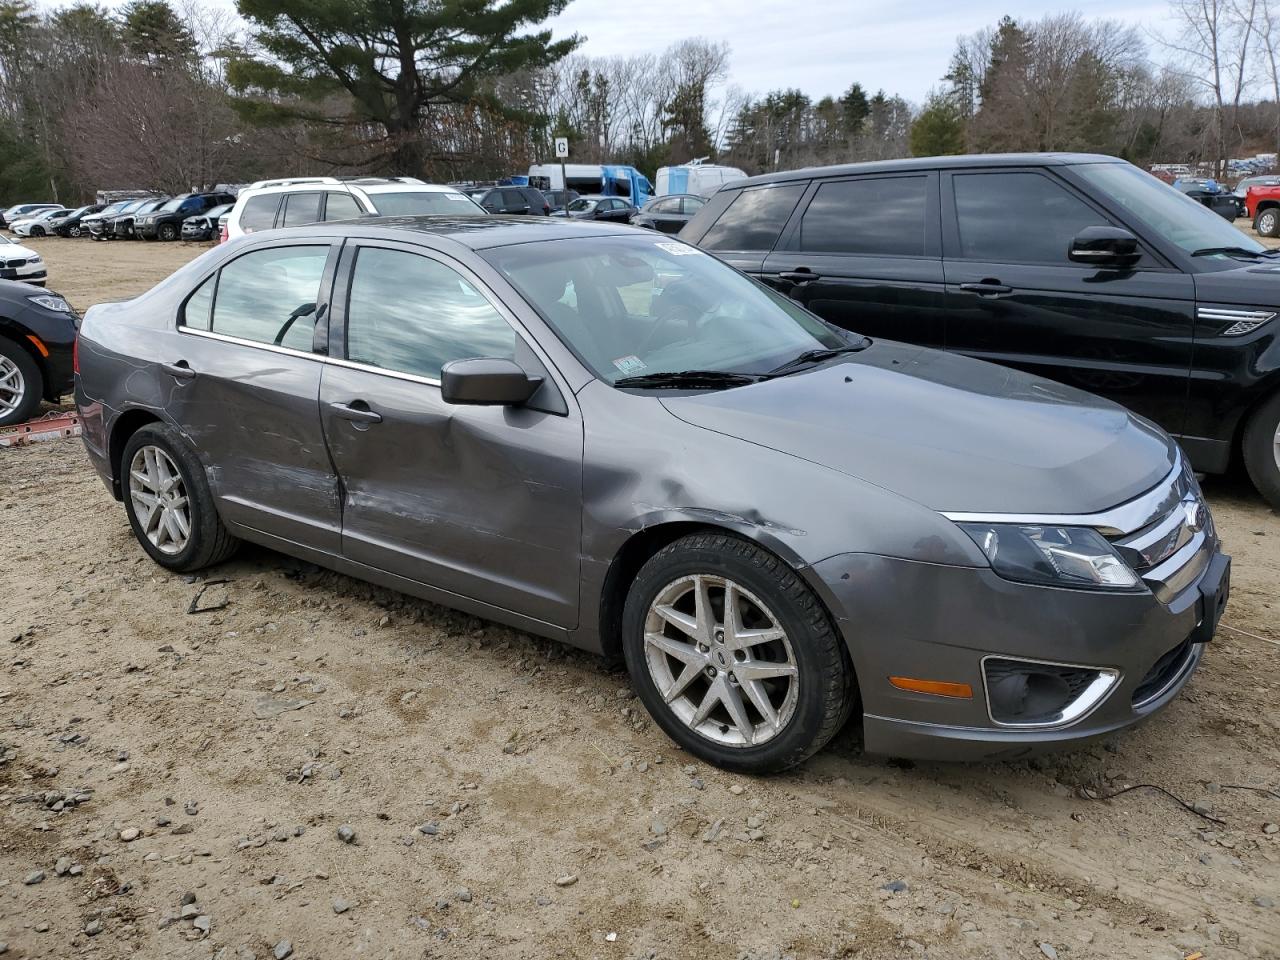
1263,207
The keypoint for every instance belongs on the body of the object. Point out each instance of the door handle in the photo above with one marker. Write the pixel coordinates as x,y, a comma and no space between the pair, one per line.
360,414
798,275
987,288
179,371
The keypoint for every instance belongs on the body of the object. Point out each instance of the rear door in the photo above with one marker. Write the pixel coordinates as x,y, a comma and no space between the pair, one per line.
301,208
865,254
514,201
1016,298
744,230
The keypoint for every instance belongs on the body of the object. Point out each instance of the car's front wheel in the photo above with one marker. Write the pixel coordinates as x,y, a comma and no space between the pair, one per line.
168,501
1262,450
734,656
74,231
168,232
37,231
21,384
1267,223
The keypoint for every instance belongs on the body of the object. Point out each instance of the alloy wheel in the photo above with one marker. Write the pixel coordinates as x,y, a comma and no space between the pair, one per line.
721,660
74,231
160,500
13,388
1267,223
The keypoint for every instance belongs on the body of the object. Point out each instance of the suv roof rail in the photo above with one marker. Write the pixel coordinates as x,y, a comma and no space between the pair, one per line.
291,181
374,180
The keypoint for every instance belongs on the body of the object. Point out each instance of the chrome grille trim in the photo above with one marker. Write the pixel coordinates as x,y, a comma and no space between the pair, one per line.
1242,321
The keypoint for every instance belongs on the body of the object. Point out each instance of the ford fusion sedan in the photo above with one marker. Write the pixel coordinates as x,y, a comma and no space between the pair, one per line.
605,436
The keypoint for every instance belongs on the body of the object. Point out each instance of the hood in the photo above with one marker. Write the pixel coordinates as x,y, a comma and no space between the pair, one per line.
16,251
948,432
1245,284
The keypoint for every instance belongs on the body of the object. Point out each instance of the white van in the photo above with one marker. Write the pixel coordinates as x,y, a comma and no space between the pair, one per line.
697,178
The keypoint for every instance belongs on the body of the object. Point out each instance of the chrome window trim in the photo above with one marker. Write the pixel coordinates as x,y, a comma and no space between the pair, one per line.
1121,520
369,368
244,342
1089,700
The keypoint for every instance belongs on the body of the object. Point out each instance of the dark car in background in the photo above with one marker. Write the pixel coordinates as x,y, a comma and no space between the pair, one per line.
165,221
511,200
668,214
204,226
593,207
102,225
37,341
72,225
1118,284
591,433
559,199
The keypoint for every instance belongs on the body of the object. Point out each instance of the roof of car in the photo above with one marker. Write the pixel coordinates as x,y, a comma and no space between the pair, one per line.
925,163
475,232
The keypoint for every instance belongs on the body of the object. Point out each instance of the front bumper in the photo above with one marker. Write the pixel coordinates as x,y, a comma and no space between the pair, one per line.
909,619
148,231
28,273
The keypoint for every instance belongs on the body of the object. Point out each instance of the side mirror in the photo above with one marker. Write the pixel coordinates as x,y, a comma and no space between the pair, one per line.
486,381
1104,246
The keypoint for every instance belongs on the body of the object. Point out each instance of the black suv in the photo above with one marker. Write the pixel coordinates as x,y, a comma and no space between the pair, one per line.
512,200
1081,268
165,222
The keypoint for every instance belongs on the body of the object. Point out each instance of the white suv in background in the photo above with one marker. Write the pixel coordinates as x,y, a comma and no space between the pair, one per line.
297,200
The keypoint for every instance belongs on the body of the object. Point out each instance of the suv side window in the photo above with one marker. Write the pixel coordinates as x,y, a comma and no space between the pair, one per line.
259,291
259,212
754,218
1018,217
879,215
413,315
300,208
341,206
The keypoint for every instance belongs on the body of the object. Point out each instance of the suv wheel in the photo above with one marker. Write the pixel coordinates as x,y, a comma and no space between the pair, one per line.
1268,222
733,655
168,232
1262,450
21,384
167,499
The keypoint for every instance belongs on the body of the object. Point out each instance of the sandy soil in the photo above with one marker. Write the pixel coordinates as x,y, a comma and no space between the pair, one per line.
508,797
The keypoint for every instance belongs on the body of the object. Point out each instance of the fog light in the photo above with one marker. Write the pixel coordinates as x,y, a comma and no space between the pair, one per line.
1026,693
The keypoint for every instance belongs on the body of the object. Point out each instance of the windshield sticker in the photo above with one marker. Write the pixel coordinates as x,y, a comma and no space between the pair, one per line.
678,249
629,365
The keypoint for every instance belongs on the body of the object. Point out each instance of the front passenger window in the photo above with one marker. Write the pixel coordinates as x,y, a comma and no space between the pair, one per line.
1018,217
413,315
263,296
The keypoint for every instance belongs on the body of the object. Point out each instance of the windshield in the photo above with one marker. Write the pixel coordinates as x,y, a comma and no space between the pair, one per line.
425,203
633,306
582,205
174,204
1171,213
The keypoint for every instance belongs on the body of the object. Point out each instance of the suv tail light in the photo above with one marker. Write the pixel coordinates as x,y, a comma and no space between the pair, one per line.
222,233
75,354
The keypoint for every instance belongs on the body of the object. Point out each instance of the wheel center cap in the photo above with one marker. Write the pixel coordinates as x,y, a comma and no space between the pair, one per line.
720,658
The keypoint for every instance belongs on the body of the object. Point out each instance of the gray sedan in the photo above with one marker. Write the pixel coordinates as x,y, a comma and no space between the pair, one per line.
608,437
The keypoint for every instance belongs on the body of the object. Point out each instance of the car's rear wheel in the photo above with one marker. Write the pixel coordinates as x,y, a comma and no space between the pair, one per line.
168,502
734,656
21,385
1262,450
1267,223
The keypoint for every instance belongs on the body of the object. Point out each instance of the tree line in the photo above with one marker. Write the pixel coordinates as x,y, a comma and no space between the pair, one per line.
174,98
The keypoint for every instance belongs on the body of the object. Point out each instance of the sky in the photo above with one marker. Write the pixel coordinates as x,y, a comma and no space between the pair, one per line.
820,47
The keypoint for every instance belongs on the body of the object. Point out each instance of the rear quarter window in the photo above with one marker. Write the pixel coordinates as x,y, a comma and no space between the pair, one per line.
754,218
259,212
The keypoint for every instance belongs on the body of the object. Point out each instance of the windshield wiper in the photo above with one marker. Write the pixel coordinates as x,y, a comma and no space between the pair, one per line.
1233,252
689,380
815,356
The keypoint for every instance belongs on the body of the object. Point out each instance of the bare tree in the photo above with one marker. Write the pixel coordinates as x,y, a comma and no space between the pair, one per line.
1269,40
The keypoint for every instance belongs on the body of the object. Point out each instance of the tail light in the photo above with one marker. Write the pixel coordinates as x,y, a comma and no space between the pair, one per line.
223,236
75,354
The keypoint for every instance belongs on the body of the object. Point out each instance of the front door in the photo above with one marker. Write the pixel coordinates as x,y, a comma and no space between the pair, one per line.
866,254
1016,299
243,383
482,502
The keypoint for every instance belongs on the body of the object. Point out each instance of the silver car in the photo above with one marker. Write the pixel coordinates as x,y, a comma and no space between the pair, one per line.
608,437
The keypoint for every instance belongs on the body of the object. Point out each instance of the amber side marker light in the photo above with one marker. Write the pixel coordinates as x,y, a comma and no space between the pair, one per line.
938,688
44,351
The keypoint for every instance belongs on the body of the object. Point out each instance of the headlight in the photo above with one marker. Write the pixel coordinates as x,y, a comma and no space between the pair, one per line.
1055,556
51,302
35,259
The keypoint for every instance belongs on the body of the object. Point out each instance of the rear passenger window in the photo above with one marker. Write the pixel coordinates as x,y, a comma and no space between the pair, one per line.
884,216
259,213
300,208
1018,217
754,219
341,206
413,315
258,292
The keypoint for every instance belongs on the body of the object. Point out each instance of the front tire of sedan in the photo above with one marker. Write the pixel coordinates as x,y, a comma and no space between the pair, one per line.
73,231
1267,223
1262,450
168,501
21,384
734,656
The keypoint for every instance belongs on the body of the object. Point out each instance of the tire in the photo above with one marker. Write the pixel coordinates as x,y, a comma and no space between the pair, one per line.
1261,448
1267,223
168,232
21,384
74,231
809,706
207,541
37,231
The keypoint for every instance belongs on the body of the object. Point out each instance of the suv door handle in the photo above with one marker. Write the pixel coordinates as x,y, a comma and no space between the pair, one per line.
179,371
986,288
360,414
798,275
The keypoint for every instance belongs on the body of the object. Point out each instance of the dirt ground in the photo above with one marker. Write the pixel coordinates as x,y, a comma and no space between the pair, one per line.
174,783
